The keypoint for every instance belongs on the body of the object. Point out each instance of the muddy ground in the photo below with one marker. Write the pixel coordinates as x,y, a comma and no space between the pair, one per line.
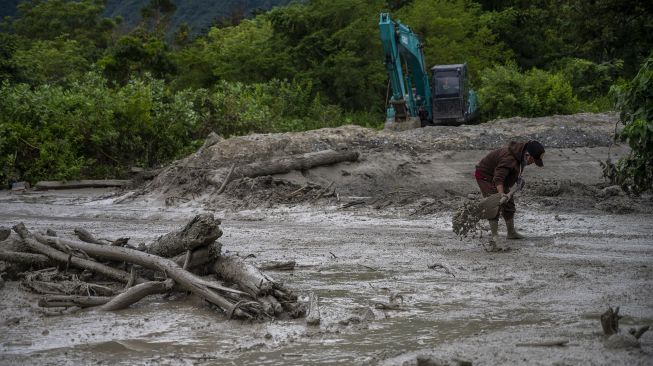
383,229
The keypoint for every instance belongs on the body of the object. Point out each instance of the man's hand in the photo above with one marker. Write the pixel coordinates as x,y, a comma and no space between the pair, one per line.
504,198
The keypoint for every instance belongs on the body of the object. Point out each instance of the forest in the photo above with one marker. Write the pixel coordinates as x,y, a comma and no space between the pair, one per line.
83,97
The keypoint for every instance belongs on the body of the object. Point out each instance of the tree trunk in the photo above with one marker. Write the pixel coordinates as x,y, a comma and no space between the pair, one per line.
136,293
30,259
202,230
75,184
306,161
247,276
56,301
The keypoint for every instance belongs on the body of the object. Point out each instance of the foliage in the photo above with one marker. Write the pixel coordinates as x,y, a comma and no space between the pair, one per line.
136,55
50,61
78,20
635,102
89,129
83,95
455,32
506,92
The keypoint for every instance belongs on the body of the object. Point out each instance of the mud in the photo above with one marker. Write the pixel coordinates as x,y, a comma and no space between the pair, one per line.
384,236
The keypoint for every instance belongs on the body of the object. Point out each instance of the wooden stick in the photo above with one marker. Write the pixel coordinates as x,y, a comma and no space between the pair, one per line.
550,343
226,180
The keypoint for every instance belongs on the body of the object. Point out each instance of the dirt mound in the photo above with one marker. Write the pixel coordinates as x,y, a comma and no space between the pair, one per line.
422,170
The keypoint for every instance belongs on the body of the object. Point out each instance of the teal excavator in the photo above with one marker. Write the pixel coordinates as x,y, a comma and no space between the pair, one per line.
414,101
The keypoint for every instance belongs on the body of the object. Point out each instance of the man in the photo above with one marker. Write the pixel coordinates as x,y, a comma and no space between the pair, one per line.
498,171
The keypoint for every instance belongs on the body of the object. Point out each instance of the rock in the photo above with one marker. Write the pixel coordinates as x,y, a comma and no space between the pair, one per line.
4,233
611,191
619,341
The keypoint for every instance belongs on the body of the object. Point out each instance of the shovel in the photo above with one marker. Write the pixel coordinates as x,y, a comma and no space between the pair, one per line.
488,207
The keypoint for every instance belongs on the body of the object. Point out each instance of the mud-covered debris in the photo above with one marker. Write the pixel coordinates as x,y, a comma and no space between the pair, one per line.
466,219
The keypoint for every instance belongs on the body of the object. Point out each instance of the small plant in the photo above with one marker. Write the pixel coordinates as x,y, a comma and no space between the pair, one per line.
634,100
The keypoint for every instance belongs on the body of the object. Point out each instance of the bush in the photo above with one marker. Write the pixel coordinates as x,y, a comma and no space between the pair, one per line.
635,101
90,130
506,92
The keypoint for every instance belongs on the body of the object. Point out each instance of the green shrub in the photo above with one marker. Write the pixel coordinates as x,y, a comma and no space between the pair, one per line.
635,101
91,130
506,92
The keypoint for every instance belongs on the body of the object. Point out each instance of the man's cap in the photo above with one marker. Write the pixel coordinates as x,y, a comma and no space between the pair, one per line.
536,150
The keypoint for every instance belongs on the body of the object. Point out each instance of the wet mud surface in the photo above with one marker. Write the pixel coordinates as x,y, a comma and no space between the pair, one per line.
382,231
472,305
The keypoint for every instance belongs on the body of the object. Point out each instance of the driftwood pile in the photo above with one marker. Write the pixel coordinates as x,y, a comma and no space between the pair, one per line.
113,274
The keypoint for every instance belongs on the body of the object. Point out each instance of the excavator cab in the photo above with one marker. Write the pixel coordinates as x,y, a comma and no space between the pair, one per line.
454,102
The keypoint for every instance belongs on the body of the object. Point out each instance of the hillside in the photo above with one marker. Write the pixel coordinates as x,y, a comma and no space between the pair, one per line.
198,14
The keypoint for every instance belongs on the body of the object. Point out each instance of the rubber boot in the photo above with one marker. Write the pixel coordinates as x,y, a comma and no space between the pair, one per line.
512,233
494,238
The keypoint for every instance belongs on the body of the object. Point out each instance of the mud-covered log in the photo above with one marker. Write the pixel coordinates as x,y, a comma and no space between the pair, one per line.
281,165
76,184
183,278
201,256
247,276
59,256
136,293
29,259
55,301
277,266
313,317
202,230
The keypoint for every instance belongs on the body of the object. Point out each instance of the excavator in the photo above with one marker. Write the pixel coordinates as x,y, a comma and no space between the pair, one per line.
415,102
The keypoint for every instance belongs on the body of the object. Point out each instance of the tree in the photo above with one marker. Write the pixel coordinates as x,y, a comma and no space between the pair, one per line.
76,20
156,15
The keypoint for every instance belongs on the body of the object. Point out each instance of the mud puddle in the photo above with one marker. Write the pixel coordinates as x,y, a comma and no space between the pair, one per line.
474,306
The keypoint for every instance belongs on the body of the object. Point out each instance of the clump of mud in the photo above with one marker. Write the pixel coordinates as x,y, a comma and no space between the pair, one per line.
466,220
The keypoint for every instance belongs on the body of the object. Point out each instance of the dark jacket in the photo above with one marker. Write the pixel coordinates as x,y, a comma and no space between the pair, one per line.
502,166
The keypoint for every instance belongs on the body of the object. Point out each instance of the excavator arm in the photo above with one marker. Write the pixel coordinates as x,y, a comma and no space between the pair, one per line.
404,62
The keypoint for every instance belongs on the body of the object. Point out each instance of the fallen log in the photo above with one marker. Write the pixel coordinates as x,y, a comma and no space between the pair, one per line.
35,243
136,293
30,259
183,278
547,343
278,266
246,276
84,235
56,301
76,184
200,256
220,177
202,230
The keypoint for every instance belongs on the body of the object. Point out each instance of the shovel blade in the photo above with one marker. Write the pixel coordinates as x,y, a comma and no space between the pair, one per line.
488,207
